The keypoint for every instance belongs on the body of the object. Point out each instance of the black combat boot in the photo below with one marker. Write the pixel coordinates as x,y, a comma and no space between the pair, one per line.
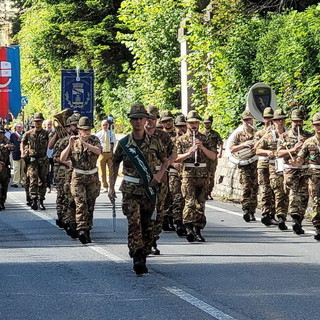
139,263
266,220
171,225
2,207
155,250
60,223
34,204
190,232
180,229
297,227
29,202
84,236
198,235
246,216
165,224
71,230
41,205
317,235
282,222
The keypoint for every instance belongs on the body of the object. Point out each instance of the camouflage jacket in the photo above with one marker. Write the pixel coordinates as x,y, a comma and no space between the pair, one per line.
153,151
184,143
81,157
288,141
37,142
310,152
4,151
215,137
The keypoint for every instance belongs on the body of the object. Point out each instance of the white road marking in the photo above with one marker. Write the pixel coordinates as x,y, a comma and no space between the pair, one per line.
212,311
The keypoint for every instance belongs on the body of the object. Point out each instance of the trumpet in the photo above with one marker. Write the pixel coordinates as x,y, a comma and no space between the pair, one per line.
196,163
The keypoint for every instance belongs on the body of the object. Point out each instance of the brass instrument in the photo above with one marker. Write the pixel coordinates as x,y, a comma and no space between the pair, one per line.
196,163
60,120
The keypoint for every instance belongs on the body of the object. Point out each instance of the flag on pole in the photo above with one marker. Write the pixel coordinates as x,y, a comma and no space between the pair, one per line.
10,90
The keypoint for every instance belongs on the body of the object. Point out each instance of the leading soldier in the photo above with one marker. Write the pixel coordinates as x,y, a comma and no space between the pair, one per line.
140,153
195,150
34,144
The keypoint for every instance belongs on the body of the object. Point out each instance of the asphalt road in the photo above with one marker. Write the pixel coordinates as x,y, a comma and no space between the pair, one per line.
243,271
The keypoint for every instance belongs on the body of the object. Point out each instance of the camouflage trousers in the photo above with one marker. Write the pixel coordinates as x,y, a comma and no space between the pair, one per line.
65,201
157,224
85,188
296,183
37,171
138,209
280,194
177,198
266,193
59,178
315,194
194,191
249,183
4,182
69,215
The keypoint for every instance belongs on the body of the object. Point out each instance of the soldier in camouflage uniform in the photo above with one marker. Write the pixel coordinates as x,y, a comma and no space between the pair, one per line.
175,180
244,139
310,153
267,196
295,177
195,151
5,148
136,205
171,154
66,208
267,147
83,151
35,141
166,119
217,143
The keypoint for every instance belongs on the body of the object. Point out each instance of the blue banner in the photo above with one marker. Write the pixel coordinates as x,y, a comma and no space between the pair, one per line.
77,92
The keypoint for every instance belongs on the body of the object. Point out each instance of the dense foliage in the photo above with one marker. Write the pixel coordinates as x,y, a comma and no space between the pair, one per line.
133,47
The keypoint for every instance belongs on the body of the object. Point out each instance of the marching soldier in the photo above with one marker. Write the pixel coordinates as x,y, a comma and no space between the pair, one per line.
166,119
175,180
5,148
267,197
267,147
194,152
34,144
65,201
295,177
244,140
217,143
171,154
140,153
83,151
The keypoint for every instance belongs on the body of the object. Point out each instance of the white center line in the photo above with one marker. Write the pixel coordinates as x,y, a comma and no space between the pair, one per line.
212,311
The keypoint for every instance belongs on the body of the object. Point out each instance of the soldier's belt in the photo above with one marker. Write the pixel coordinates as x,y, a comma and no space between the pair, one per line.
288,166
92,171
314,166
192,165
132,179
260,158
172,170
